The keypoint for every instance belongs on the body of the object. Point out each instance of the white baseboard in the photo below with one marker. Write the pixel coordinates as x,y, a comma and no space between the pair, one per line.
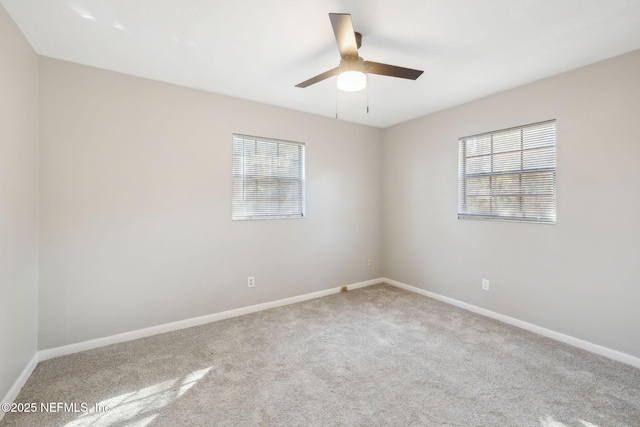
576,342
187,323
20,382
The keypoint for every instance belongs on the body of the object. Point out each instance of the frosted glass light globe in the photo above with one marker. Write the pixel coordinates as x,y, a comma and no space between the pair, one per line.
352,81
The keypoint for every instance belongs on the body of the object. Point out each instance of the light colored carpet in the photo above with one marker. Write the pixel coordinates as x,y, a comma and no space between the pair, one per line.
377,356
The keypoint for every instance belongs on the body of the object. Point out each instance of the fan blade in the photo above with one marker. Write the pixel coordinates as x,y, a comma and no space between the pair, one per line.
318,78
391,70
345,36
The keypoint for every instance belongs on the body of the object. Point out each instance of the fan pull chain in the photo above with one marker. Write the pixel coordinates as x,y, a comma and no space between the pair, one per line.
367,77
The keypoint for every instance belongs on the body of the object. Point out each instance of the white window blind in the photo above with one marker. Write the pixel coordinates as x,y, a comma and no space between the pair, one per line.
268,178
509,174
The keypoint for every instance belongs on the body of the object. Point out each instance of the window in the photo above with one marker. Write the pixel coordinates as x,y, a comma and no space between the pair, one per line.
509,175
268,178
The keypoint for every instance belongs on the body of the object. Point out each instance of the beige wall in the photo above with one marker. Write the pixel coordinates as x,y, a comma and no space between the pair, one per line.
580,277
136,226
18,202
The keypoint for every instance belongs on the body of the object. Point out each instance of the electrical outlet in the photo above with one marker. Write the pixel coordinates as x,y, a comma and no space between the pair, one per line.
485,284
368,262
251,282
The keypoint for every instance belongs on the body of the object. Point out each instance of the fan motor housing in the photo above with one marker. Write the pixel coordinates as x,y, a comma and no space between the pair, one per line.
351,64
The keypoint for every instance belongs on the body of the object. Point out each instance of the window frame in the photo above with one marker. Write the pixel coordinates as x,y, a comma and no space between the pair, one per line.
535,179
263,207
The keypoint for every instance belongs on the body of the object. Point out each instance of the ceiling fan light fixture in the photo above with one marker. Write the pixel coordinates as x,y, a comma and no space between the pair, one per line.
352,81
353,71
351,77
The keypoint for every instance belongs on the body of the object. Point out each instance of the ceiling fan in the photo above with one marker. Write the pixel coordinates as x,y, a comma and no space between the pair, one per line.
352,69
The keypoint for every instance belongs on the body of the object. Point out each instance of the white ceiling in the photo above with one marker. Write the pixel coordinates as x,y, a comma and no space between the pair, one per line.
260,49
